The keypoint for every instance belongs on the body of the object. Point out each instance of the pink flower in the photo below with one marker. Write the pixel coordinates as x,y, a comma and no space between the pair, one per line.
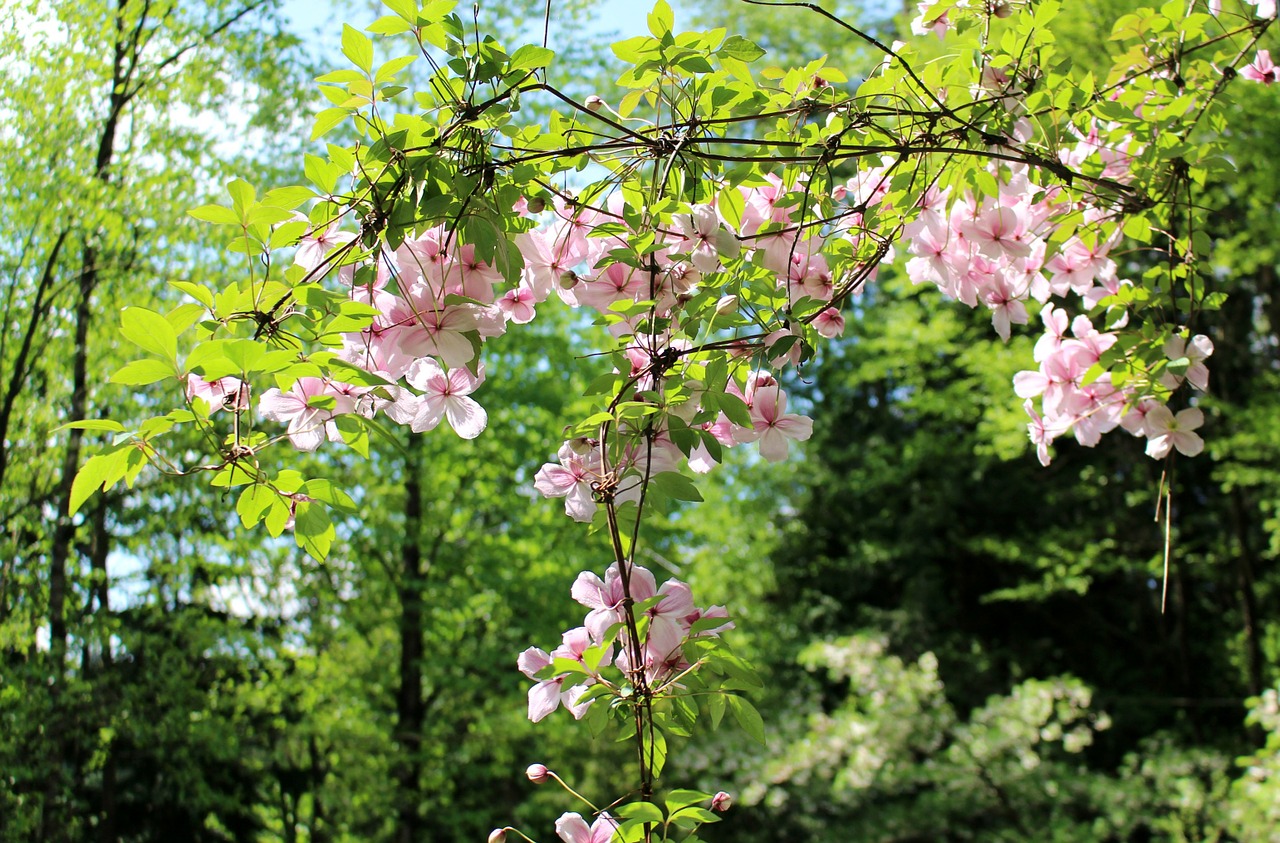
926,21
1000,231
1266,8
1165,431
721,802
772,426
538,773
309,408
517,305
1261,69
313,247
445,396
1196,352
1042,433
222,394
546,696
1135,421
829,323
572,480
604,597
705,239
572,828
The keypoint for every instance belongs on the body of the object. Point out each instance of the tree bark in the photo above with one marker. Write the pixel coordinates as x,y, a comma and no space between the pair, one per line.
18,376
410,710
52,825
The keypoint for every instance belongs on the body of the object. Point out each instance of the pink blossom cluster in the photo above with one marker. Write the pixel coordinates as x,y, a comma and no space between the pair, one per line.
585,271
1092,409
426,335
666,620
427,330
584,475
994,252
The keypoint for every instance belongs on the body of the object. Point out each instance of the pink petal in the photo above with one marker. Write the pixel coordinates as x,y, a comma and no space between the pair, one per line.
467,418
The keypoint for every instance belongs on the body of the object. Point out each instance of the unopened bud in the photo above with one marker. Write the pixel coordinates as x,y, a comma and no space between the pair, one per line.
721,802
583,445
538,773
537,205
1001,10
727,304
498,835
594,103
568,280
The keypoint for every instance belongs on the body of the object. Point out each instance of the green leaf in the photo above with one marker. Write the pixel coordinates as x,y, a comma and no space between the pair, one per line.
661,19
530,57
357,47
736,667
326,120
737,47
99,472
354,375
389,69
184,316
655,750
242,196
288,197
676,486
678,799
326,492
106,425
731,206
389,25
645,812
382,431
149,331
434,11
406,9
734,408
716,706
313,530
276,517
692,815
254,503
216,214
143,372
747,716
199,292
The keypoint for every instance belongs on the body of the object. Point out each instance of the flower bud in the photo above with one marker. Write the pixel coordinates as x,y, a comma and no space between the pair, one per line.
538,773
594,103
721,802
727,304
568,279
498,835
1001,9
537,205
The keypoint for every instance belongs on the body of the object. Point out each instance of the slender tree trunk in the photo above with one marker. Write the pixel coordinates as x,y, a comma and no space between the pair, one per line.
35,323
52,825
63,538
99,548
410,711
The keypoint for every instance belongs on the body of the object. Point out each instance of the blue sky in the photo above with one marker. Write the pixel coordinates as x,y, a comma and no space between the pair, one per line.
626,17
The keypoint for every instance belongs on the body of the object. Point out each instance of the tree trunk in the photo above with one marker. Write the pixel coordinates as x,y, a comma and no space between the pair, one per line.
52,825
410,709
